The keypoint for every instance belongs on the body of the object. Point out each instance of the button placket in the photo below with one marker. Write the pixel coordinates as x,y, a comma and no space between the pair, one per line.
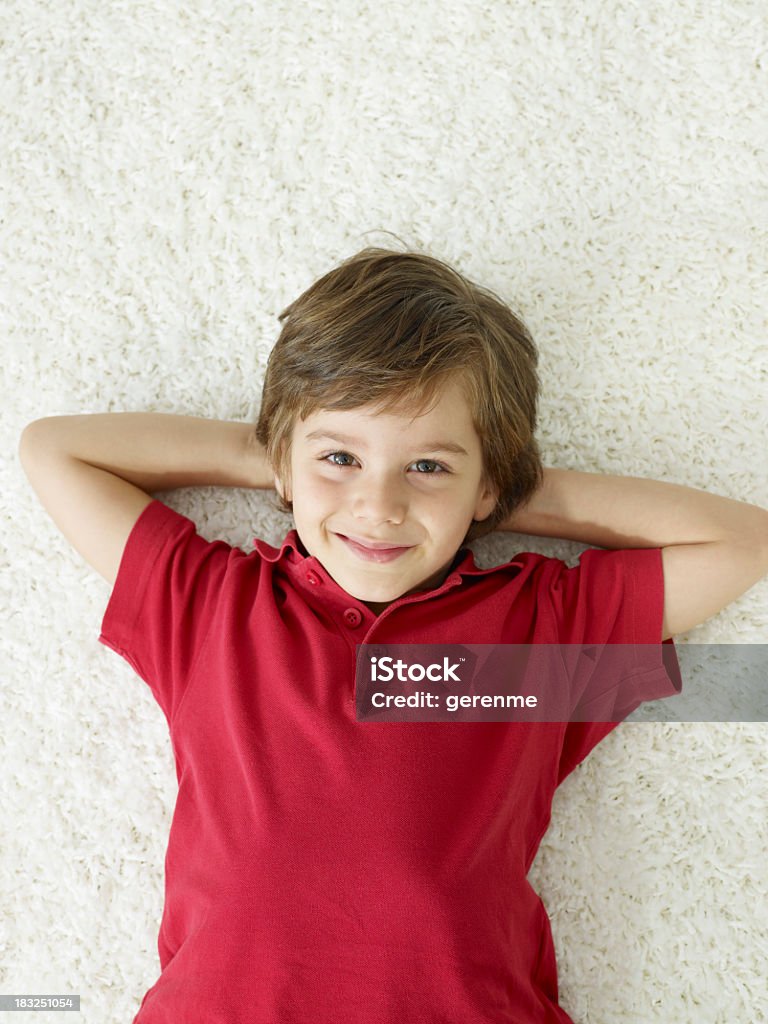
352,617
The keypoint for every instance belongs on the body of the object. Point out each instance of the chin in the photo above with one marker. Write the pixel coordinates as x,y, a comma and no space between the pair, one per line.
367,597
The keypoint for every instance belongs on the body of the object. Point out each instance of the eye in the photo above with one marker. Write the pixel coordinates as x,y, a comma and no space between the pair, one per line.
430,462
332,455
433,468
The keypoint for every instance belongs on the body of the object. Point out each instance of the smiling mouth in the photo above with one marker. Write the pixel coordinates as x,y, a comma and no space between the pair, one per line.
373,554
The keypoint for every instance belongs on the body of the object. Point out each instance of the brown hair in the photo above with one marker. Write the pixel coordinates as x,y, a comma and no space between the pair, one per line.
393,327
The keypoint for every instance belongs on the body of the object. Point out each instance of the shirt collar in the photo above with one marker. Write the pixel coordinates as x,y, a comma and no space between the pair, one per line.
293,552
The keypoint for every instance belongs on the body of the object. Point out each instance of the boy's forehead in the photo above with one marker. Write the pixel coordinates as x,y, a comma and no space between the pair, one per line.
453,421
448,406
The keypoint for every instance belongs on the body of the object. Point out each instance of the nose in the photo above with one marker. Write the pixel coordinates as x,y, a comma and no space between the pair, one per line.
379,498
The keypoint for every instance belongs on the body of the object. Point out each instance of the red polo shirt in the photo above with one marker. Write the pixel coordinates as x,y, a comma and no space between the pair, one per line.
322,870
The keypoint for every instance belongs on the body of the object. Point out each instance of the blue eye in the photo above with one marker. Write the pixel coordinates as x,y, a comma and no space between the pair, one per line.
429,462
437,469
332,454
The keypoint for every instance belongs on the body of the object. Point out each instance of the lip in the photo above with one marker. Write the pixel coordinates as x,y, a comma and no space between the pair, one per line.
373,551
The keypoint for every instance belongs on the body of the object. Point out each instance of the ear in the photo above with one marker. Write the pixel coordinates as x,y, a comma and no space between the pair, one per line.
284,492
486,503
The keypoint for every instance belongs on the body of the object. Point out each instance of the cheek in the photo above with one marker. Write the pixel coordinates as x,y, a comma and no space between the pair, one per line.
317,489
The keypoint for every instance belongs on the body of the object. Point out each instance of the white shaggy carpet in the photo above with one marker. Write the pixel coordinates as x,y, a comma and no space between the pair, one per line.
171,176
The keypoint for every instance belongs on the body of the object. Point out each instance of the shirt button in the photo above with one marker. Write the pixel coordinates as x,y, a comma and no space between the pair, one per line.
313,578
352,617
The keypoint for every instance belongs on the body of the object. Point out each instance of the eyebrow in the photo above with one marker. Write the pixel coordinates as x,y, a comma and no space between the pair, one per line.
429,446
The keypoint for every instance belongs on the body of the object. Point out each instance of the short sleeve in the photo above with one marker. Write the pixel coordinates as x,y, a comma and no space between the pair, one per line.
163,600
612,597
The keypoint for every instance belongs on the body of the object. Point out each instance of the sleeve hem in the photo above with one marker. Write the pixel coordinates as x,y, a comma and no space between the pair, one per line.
155,525
651,670
647,609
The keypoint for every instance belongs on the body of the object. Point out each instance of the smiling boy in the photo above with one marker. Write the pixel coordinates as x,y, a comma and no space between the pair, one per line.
320,868
384,500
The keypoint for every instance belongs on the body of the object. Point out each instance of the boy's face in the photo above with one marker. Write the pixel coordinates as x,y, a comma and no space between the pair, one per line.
375,477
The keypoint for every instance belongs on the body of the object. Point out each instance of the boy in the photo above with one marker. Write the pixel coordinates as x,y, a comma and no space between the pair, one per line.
319,868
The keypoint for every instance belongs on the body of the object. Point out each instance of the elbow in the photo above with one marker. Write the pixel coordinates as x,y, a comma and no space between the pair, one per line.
25,439
29,432
35,437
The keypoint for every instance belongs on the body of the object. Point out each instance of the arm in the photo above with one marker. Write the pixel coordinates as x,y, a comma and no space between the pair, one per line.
93,473
713,548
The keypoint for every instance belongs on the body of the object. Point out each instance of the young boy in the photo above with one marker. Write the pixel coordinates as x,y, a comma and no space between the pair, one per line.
320,868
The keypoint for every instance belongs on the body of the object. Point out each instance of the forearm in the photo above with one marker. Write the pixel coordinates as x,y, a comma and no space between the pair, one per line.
161,451
629,512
